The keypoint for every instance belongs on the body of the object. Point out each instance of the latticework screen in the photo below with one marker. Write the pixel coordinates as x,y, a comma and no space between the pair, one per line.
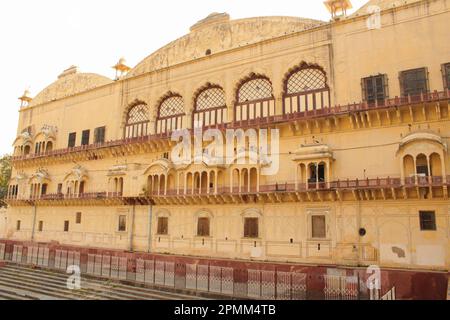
306,80
255,89
210,98
172,106
138,114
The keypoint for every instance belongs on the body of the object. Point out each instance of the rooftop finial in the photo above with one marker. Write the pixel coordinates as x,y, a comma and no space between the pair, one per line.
121,68
25,98
338,8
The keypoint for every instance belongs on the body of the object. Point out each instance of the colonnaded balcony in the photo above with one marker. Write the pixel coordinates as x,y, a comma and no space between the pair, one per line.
398,110
282,191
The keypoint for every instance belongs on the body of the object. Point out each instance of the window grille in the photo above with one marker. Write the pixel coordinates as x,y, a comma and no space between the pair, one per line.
414,82
375,88
203,227
255,89
427,221
305,80
163,226
251,228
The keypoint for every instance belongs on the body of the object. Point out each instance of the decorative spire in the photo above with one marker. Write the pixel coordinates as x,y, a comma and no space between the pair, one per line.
25,99
338,8
121,68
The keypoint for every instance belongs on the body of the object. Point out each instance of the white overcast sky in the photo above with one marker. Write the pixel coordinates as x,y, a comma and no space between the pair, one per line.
39,39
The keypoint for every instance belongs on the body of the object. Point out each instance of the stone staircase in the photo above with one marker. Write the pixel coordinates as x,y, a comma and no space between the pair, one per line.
24,283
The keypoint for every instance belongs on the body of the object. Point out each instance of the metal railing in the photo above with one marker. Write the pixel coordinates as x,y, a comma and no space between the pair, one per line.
285,187
336,110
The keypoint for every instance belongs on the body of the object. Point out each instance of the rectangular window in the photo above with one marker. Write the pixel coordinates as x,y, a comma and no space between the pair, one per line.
375,88
163,226
60,186
18,225
85,138
78,218
203,227
41,226
122,223
66,226
318,227
99,135
446,75
427,221
251,228
414,82
72,139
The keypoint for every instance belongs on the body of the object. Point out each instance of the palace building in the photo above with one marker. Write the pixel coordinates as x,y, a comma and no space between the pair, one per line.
361,103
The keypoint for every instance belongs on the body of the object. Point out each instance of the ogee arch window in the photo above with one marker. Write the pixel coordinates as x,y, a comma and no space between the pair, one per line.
137,121
210,107
170,114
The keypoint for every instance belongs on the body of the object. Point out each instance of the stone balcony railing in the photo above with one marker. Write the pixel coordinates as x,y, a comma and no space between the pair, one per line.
285,187
272,188
258,122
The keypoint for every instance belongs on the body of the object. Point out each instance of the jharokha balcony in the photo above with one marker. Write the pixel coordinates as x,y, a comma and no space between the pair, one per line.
340,190
306,120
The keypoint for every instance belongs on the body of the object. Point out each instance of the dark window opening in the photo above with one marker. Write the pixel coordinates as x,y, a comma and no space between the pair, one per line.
60,186
251,226
99,135
375,88
18,225
85,138
78,218
203,227
41,226
428,221
414,82
317,173
44,189
122,223
72,139
82,185
163,226
446,75
66,226
318,227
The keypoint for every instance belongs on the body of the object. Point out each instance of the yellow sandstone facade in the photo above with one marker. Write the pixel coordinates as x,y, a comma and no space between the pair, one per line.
363,115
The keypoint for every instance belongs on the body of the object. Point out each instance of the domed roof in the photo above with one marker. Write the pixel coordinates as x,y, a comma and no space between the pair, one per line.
382,4
218,33
69,83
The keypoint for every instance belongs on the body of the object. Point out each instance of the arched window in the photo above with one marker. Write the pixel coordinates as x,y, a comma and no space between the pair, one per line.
210,107
254,99
170,114
306,89
137,121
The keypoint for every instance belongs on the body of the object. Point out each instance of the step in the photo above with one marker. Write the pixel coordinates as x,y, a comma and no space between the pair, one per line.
13,282
40,282
9,294
24,291
100,289
136,290
103,290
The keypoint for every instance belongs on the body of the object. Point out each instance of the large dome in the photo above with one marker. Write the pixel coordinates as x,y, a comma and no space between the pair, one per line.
218,33
69,83
382,4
